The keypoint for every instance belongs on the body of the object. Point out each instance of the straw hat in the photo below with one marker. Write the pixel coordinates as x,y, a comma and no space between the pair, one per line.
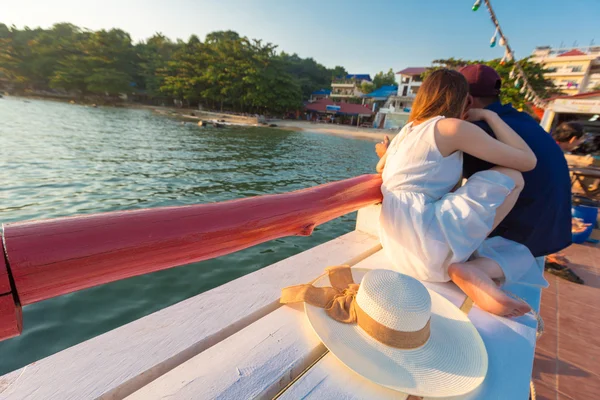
394,331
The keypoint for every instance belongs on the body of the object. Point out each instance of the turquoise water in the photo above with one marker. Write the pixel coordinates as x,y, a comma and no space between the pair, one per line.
58,159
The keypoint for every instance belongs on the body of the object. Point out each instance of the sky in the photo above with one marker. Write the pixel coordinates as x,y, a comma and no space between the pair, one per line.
364,36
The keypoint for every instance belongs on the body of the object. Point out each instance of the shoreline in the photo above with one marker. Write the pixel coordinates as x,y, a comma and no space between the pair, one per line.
289,125
336,130
185,114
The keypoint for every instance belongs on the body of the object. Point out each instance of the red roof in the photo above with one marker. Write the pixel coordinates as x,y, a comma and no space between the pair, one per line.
573,52
345,108
412,71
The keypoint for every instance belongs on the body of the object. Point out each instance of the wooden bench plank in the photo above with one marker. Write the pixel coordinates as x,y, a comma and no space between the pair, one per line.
256,362
119,362
330,379
510,344
271,353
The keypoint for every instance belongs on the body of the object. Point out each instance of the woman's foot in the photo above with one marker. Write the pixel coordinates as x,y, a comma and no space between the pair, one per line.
483,291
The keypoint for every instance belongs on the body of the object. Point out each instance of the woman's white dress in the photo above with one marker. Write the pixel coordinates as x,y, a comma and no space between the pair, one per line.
425,227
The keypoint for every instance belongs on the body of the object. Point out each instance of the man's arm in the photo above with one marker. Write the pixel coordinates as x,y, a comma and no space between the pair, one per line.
471,164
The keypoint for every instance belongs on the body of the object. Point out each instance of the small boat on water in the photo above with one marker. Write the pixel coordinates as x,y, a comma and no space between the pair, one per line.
217,124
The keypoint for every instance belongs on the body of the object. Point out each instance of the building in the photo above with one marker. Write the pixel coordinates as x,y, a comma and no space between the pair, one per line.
343,112
396,110
379,96
585,106
409,81
319,94
348,86
573,70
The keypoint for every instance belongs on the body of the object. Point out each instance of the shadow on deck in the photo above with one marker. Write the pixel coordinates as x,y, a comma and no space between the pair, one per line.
567,359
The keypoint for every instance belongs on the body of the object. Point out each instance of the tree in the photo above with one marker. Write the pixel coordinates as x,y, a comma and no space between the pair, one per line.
384,79
153,56
226,71
309,74
338,72
367,87
111,60
17,60
181,78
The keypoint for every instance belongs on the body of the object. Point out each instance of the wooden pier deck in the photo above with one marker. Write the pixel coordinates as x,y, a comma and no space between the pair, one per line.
567,359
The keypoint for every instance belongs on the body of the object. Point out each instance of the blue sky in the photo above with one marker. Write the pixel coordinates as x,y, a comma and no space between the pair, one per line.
364,36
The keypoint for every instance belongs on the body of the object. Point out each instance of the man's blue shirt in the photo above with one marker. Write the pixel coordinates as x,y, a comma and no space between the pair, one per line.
541,218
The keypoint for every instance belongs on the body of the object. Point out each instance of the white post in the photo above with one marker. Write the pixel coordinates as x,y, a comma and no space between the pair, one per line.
547,119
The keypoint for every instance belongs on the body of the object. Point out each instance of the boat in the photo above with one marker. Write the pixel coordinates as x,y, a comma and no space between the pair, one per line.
234,341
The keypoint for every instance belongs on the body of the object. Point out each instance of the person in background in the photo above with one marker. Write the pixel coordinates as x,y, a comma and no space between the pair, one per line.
569,136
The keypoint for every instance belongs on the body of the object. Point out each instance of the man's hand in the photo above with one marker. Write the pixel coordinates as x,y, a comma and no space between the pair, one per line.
381,148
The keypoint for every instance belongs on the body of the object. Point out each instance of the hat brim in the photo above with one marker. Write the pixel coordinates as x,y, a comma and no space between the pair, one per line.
453,362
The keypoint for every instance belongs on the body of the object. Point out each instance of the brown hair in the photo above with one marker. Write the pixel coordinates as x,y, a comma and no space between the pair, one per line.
443,92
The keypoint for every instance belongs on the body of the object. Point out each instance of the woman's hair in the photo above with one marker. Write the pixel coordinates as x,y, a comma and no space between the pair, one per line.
444,93
567,131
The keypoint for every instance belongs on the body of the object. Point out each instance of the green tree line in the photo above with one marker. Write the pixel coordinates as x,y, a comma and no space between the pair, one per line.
225,71
380,79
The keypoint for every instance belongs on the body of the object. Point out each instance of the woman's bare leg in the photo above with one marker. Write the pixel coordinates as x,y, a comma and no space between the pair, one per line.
510,201
478,278
475,278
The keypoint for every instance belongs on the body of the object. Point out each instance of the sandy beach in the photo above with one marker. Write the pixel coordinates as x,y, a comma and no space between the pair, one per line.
339,130
294,125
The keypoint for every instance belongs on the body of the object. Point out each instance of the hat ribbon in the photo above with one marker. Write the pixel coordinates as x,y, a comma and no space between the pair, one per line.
339,303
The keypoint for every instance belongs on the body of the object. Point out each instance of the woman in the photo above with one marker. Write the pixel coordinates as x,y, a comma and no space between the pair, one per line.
435,234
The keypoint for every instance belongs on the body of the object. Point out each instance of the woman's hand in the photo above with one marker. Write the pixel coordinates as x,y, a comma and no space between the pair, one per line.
381,148
478,114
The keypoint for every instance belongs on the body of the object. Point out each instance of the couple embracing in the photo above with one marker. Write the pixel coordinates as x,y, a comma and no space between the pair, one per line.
515,205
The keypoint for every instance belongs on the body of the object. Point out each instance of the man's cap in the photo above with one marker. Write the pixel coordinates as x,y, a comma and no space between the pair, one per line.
483,81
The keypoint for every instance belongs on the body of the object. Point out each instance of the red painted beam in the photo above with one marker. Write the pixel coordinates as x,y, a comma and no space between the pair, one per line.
50,258
11,318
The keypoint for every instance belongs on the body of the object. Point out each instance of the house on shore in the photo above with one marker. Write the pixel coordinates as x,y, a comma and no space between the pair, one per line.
326,110
348,87
319,94
396,110
572,70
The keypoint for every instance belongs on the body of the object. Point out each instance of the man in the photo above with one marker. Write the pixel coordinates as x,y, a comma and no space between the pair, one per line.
569,136
572,139
541,218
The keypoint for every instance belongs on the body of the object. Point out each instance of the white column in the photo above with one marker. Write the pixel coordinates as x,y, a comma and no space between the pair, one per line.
547,119
586,78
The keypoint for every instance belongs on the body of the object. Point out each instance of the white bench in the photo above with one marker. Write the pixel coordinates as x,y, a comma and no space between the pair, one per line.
237,342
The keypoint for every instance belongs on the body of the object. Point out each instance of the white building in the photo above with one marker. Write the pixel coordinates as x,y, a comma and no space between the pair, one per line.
573,70
409,81
396,110
348,86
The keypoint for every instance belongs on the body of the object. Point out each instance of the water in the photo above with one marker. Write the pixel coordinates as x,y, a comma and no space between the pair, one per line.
58,159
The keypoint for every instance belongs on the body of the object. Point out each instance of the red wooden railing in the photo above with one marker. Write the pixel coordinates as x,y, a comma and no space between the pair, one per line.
49,258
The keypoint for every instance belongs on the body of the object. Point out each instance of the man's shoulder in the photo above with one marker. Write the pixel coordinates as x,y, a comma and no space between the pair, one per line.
521,117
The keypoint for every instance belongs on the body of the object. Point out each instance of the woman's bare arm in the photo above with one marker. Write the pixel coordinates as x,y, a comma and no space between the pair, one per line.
509,150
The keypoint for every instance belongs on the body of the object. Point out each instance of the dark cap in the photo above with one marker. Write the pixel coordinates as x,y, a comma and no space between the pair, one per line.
483,81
